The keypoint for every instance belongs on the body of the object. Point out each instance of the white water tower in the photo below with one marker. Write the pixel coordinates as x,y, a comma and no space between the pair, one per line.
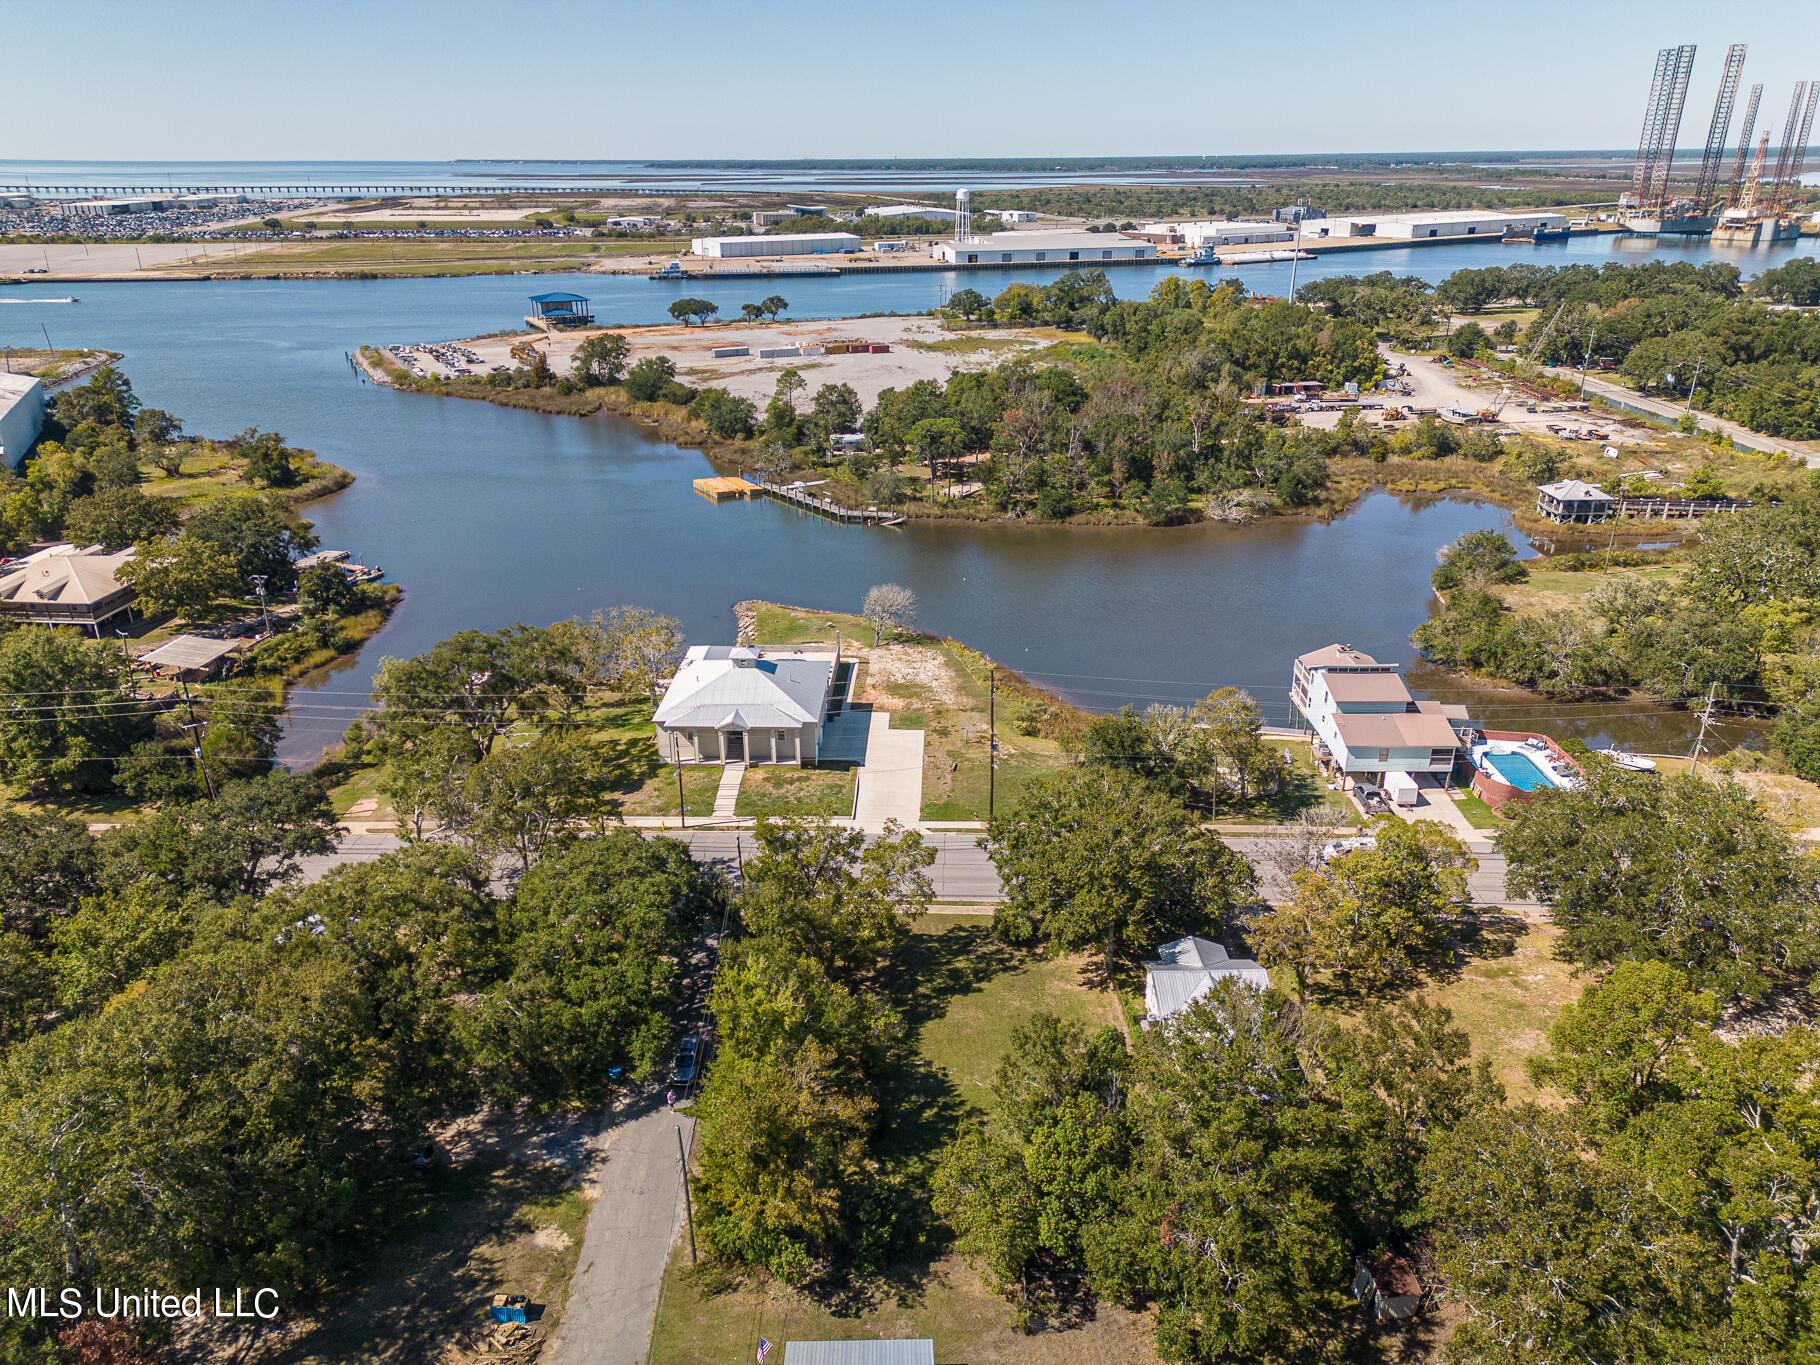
963,215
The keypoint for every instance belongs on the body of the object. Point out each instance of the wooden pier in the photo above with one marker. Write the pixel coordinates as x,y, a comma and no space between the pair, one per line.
798,495
1673,509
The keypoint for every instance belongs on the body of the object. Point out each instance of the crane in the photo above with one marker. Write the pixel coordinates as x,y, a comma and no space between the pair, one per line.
1529,358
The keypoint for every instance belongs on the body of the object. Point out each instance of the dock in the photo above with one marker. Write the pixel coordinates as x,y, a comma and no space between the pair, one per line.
718,488
797,495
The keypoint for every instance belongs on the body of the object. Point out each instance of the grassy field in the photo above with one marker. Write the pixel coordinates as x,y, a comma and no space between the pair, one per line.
937,686
1504,985
441,257
638,779
969,991
1559,590
797,791
473,1232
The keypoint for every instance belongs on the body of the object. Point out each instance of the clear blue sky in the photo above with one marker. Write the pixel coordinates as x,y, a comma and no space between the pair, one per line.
438,79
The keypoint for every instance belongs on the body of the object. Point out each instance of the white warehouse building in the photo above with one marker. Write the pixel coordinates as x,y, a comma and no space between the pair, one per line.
912,211
776,244
1217,232
1421,226
21,416
1054,248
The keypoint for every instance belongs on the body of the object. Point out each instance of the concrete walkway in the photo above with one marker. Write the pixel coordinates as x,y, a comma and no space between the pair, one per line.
891,782
726,796
613,1298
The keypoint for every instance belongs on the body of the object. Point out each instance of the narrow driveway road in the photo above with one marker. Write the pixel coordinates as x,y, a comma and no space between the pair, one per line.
612,1303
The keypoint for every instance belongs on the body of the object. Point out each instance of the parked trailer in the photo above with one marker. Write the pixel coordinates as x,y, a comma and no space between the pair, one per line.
1401,788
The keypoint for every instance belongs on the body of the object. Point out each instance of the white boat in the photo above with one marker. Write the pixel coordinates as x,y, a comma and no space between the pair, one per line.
70,299
1635,762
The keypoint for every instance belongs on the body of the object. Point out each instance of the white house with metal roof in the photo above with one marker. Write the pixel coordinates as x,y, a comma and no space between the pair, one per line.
736,704
1189,968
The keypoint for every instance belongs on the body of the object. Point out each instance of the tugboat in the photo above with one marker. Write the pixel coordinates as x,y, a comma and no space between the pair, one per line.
672,271
1205,254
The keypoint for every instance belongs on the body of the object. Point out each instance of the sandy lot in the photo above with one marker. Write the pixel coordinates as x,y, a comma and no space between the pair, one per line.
750,377
1438,386
97,258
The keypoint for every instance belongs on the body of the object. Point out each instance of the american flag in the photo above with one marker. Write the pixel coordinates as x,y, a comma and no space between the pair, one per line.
764,1349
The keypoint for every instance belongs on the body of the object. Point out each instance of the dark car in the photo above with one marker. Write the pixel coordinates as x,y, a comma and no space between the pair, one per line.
682,1070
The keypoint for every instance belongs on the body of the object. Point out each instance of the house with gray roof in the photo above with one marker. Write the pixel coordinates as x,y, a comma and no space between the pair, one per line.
1189,968
737,704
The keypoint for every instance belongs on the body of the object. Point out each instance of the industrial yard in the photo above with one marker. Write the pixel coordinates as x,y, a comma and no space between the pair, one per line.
915,348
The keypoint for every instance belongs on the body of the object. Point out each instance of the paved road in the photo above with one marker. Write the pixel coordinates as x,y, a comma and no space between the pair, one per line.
962,871
1671,412
612,1303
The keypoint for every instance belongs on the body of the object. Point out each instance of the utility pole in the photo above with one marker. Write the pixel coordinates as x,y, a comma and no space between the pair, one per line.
1689,407
1706,715
688,1203
682,810
991,740
208,782
1586,359
258,582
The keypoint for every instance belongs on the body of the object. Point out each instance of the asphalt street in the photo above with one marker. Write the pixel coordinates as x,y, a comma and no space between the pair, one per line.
961,872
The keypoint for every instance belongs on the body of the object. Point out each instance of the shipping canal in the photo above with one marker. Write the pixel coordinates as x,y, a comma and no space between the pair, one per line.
490,515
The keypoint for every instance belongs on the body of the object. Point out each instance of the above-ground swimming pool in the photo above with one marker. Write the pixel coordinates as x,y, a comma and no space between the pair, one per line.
1519,770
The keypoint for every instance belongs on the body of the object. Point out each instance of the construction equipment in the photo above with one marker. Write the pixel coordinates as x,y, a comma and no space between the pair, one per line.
1793,154
1529,358
1719,129
1744,136
1661,125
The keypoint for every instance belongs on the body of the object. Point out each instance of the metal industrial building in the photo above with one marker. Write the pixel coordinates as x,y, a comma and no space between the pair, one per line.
1219,232
21,416
1029,248
912,211
776,244
1493,223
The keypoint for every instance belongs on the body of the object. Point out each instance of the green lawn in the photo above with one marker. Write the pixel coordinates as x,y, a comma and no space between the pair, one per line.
797,791
1303,788
638,779
1477,813
967,992
386,257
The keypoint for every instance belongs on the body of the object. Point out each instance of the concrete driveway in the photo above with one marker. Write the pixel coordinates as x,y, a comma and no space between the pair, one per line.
891,780
612,1303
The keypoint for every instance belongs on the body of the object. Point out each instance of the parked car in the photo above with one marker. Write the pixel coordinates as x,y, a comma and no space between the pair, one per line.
682,1069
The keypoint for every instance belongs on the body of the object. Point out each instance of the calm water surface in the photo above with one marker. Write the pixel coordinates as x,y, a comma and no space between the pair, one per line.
491,516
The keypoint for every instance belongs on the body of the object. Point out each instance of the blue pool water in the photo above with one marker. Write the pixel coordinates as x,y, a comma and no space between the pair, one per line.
1520,771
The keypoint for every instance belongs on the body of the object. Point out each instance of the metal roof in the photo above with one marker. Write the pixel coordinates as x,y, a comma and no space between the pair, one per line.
559,298
905,1351
722,687
1575,490
188,651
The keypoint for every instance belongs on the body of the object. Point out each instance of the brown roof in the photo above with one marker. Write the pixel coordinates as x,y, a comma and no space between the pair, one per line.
1452,710
1394,1276
1336,656
1365,687
1396,730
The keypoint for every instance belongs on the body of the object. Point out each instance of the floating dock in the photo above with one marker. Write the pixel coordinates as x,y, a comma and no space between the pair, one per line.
718,488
